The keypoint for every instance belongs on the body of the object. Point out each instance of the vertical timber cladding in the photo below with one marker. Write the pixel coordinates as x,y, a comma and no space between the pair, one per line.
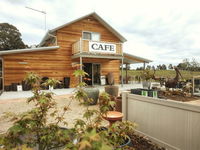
72,33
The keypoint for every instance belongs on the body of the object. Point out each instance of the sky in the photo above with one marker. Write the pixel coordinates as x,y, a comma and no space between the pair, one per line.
164,31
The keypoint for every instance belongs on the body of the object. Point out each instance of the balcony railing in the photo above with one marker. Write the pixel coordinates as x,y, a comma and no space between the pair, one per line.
85,46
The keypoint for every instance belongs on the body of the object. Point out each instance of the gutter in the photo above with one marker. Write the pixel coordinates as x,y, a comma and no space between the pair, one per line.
28,50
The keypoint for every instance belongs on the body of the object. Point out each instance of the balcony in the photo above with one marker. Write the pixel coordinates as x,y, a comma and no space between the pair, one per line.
97,48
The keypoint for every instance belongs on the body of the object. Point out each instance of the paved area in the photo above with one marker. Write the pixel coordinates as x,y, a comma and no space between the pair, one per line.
26,94
197,102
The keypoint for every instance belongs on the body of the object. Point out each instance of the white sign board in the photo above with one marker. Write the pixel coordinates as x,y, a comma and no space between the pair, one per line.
102,47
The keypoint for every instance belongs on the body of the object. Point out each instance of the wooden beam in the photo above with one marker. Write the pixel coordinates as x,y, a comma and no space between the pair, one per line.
126,74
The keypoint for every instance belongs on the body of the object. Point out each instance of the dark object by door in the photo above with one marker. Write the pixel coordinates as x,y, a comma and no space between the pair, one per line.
14,86
66,82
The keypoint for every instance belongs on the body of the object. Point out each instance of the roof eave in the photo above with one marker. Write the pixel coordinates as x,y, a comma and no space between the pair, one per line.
7,52
140,58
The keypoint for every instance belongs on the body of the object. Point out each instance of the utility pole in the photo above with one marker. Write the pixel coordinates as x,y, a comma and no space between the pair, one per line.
43,12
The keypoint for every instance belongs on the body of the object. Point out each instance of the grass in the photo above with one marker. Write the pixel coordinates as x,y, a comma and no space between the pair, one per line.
165,73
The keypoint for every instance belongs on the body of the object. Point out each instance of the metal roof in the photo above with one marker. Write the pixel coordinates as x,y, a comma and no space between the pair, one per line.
6,52
132,59
96,16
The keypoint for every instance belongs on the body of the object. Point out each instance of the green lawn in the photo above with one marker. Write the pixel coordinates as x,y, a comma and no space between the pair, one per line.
165,73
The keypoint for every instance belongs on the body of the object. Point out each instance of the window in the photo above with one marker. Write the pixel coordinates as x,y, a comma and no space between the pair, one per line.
94,36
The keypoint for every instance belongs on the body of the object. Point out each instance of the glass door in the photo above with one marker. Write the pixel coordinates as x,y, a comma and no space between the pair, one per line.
87,67
1,74
96,69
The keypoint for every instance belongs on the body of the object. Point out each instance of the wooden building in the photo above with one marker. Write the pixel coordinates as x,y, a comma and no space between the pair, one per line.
88,40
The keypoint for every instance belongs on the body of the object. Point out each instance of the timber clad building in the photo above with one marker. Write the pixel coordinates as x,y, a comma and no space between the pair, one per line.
88,40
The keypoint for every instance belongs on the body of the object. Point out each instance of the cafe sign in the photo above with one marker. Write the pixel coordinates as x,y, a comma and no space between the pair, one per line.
102,47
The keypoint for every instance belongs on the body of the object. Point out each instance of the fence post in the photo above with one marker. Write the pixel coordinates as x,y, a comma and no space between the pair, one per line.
125,104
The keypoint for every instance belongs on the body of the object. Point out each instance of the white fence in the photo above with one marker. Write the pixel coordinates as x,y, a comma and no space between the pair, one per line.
173,124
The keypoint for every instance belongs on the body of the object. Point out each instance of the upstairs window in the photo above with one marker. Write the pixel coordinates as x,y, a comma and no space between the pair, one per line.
94,36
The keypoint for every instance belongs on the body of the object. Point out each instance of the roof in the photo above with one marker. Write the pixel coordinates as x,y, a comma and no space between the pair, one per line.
132,59
96,16
6,52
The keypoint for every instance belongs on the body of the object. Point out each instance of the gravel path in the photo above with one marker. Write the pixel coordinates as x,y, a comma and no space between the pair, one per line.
12,107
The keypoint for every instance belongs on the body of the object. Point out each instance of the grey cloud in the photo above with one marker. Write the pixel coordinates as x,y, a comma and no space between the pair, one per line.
16,2
160,34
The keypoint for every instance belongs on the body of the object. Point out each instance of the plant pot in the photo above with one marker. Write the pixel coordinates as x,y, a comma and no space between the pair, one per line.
112,90
146,84
127,142
7,88
92,93
136,91
26,86
118,106
14,86
153,93
66,82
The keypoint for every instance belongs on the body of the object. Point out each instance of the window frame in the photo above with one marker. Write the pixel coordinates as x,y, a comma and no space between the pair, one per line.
91,35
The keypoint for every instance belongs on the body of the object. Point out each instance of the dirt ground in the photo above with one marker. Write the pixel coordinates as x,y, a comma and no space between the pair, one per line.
13,107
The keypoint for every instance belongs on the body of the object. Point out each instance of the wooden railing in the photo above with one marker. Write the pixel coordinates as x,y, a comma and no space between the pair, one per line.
83,46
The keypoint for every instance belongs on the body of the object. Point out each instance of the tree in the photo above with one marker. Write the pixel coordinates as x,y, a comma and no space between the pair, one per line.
159,67
170,66
153,68
164,67
194,65
10,37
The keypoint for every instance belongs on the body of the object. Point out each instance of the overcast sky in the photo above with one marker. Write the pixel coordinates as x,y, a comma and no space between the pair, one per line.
165,31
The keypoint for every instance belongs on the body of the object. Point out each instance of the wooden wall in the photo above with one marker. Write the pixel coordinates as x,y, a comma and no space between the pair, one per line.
58,63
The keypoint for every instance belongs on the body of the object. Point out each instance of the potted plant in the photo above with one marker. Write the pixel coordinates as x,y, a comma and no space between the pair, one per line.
51,83
32,129
111,88
118,106
146,76
92,93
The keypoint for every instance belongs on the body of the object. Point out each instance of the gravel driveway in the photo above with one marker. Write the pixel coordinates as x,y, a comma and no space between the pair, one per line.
12,107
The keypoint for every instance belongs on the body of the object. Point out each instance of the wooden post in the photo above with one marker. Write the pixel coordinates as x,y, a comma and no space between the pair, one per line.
122,73
144,66
81,68
81,60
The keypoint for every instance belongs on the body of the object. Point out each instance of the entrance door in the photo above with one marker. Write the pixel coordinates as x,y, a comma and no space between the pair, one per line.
87,67
1,74
96,74
93,71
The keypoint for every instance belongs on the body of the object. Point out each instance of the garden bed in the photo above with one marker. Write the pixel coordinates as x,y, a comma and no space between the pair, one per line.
143,143
172,95
180,98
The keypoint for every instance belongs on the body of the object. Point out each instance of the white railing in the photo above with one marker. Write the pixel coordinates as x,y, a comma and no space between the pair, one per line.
175,125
